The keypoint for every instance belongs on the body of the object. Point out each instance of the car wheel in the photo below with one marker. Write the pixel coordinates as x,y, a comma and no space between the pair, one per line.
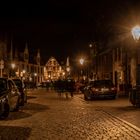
6,111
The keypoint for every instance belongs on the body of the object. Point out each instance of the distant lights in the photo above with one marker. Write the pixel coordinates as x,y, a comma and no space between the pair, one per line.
90,45
35,74
13,65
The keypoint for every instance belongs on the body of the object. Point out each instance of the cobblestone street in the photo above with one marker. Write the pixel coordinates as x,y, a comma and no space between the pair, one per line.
49,117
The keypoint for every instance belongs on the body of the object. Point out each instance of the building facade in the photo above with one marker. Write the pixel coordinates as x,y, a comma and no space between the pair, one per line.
22,67
121,64
53,70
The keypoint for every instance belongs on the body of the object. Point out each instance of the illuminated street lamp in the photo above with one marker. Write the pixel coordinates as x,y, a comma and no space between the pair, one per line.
12,71
35,74
136,36
90,45
81,61
13,65
22,74
136,33
24,71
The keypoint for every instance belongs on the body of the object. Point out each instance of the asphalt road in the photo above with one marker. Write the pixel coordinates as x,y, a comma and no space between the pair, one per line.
48,116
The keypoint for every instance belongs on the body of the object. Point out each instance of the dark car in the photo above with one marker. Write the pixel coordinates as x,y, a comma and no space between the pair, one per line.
9,97
100,89
13,95
22,89
4,104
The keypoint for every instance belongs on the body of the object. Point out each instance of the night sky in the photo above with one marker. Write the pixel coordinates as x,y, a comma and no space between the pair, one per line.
62,28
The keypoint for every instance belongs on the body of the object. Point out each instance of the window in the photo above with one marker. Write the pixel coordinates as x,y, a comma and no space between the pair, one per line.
3,84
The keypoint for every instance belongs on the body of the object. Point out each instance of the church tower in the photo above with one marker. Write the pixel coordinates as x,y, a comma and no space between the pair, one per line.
38,57
68,67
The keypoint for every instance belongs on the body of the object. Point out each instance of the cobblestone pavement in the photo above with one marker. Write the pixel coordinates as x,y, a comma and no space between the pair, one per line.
49,117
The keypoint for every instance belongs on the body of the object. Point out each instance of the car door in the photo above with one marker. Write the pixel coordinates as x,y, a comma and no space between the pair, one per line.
13,95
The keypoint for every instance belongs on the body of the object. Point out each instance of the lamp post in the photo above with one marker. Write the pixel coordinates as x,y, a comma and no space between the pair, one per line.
136,36
93,59
35,74
81,60
23,76
13,65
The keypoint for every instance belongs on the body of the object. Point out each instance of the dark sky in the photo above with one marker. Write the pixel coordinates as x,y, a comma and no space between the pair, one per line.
60,28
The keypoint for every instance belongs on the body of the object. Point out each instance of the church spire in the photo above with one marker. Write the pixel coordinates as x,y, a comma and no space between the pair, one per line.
68,66
67,62
38,57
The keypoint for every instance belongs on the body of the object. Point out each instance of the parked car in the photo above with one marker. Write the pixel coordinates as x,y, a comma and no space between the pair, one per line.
13,95
9,97
100,89
4,104
22,89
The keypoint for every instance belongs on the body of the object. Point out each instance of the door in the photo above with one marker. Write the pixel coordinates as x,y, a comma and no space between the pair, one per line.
13,95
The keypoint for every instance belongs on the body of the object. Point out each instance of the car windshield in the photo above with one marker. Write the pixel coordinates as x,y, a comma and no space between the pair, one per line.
18,83
3,84
101,83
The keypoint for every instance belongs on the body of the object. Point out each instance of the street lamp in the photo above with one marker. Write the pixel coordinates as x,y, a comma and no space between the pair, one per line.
35,74
90,45
136,36
13,65
12,72
22,74
136,33
82,60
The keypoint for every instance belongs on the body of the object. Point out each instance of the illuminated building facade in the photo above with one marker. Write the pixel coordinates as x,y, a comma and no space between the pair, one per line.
53,70
19,64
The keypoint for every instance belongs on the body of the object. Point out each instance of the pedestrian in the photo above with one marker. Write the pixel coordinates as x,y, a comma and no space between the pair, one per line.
70,86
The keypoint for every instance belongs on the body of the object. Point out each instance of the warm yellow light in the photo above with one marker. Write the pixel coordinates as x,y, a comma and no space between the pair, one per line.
90,45
35,74
13,65
23,71
68,69
81,61
63,73
30,78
